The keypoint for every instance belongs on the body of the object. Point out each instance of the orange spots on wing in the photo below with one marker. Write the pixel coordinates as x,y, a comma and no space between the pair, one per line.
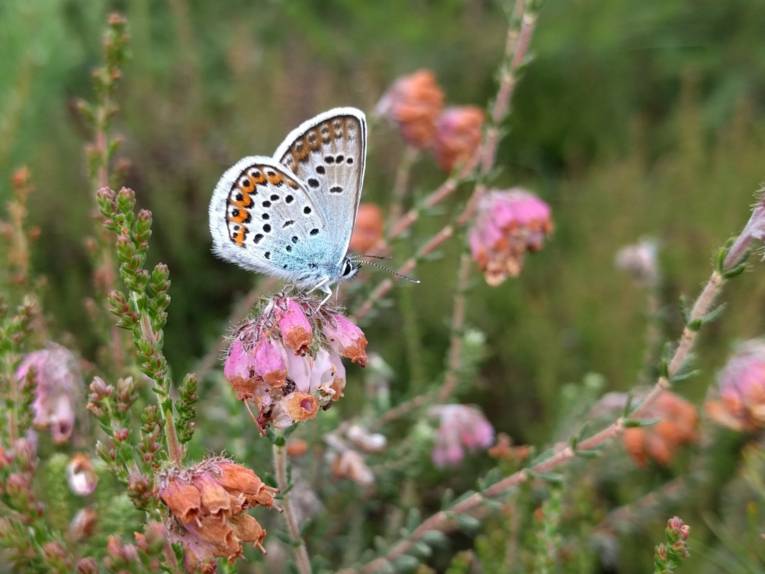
314,142
258,177
292,183
238,237
241,199
239,215
275,178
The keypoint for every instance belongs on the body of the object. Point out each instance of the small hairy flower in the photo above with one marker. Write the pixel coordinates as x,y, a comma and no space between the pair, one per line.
740,404
458,136
57,380
287,362
640,260
208,504
507,226
676,426
368,229
754,231
413,103
80,475
461,428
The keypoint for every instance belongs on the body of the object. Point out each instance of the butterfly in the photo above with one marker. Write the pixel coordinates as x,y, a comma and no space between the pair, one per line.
291,215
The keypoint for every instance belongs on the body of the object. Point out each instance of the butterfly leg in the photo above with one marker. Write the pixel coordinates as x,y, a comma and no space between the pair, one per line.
324,287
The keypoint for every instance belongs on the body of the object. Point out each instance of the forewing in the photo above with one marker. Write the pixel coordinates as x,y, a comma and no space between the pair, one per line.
328,153
260,214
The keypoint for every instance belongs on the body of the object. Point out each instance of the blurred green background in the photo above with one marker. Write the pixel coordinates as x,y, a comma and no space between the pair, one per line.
634,118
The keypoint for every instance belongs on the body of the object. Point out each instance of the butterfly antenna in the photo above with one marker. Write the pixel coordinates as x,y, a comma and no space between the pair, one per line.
371,261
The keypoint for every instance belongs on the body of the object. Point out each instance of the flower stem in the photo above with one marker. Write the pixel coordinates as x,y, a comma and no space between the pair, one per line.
302,561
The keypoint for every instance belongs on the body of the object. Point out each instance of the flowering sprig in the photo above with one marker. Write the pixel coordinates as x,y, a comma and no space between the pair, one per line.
670,555
142,307
98,116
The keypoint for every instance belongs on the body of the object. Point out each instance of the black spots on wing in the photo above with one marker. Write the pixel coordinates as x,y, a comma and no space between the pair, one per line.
329,159
314,231
307,210
266,203
258,237
339,158
274,197
289,249
267,255
267,228
313,182
321,170
287,223
289,199
349,161
294,239
336,189
266,217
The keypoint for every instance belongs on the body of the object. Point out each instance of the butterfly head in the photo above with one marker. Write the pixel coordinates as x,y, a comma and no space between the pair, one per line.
349,268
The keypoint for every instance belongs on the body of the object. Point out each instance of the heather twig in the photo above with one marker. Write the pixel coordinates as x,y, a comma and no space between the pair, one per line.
302,562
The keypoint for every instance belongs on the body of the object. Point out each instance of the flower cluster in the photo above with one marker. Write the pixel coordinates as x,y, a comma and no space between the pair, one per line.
207,503
741,384
415,103
288,361
461,428
57,378
676,426
507,226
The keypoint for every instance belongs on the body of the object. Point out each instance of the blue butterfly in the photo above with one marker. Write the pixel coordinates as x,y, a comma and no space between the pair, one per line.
291,216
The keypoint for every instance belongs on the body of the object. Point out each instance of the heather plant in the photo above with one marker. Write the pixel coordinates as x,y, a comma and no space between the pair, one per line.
351,434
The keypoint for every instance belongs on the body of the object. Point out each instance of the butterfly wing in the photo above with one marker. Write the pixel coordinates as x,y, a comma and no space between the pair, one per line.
328,153
263,218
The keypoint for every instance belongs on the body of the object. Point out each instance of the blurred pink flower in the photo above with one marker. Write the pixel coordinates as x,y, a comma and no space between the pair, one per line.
414,102
350,464
287,361
741,387
641,261
461,428
458,136
81,475
507,226
58,384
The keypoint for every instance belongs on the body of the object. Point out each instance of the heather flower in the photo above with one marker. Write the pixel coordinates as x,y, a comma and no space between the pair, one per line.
740,404
414,102
58,382
507,226
458,136
461,428
365,440
80,475
287,362
346,339
640,260
676,426
350,464
368,229
208,504
83,524
754,230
